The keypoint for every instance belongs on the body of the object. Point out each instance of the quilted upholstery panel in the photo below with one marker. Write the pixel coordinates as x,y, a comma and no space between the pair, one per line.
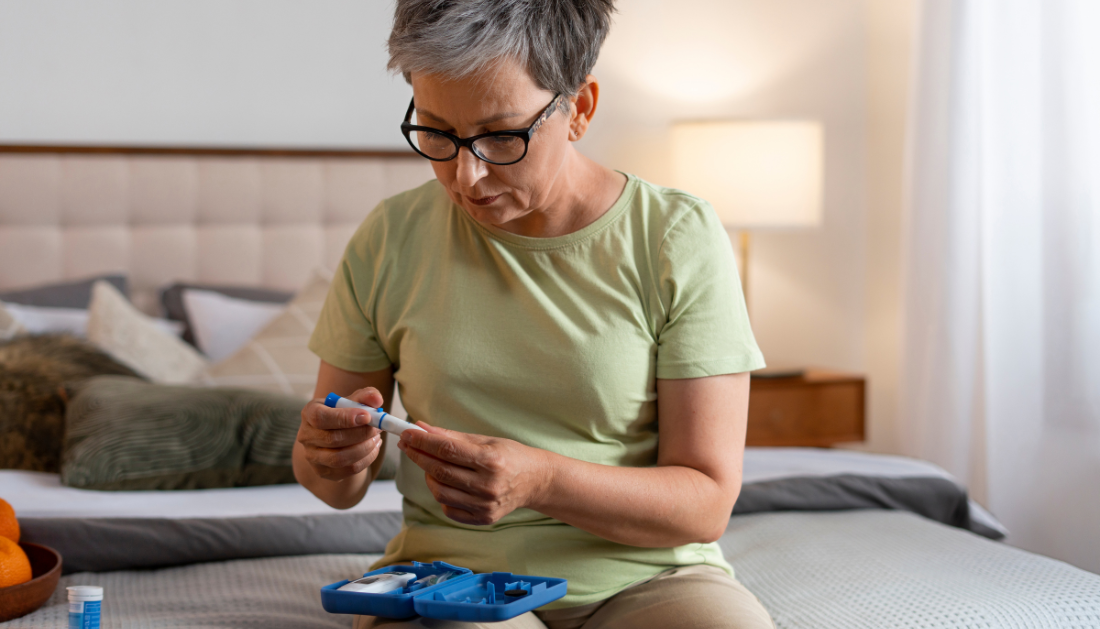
94,191
29,255
163,190
29,190
266,221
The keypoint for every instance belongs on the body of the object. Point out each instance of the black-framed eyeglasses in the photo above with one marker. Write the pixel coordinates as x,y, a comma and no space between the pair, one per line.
496,147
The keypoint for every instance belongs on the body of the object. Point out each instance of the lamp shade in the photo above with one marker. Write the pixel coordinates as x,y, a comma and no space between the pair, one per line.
756,174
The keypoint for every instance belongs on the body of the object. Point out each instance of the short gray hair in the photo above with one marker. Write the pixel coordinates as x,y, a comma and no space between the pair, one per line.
557,40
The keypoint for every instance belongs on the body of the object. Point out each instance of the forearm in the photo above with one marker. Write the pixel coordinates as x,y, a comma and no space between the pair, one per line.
340,494
654,507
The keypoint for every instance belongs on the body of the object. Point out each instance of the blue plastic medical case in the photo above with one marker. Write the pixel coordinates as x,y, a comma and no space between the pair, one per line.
468,596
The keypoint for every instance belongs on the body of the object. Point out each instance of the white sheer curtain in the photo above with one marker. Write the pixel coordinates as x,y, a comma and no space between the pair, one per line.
1002,358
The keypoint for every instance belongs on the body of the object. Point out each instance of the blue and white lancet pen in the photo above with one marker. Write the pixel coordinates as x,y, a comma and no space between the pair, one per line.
377,417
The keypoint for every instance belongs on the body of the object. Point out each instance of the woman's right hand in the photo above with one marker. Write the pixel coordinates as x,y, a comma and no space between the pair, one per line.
337,442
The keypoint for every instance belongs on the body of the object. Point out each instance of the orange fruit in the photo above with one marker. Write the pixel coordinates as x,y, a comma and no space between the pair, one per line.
9,526
14,566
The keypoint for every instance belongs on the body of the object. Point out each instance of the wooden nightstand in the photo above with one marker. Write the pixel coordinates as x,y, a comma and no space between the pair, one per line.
818,408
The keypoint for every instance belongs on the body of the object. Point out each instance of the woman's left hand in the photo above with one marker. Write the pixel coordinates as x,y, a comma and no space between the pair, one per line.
477,479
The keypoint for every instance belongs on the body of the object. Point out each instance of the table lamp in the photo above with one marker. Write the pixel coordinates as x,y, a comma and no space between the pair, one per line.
758,174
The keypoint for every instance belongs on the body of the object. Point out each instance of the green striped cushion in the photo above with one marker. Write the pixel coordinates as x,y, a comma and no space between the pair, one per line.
125,434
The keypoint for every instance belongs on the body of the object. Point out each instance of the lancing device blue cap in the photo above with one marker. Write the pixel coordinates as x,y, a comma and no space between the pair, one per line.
331,399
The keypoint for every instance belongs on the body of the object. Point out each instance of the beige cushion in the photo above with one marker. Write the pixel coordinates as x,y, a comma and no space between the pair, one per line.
9,327
136,341
278,358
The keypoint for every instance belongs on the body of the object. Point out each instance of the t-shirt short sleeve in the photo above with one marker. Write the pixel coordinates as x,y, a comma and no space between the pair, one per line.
707,332
346,335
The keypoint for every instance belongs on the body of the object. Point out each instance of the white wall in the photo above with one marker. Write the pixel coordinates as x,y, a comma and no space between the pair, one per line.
199,72
891,33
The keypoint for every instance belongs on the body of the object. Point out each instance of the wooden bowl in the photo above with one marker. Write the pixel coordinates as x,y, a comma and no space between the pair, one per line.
20,600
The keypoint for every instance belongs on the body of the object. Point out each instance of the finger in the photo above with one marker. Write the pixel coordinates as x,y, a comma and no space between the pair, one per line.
443,471
464,517
310,436
341,473
453,496
440,446
367,395
478,440
358,457
320,416
452,434
349,456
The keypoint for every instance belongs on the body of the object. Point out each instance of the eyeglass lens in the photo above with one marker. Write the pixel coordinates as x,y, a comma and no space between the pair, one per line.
501,149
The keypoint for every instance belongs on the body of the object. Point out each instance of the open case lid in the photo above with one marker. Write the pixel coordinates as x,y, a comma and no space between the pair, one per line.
488,597
467,596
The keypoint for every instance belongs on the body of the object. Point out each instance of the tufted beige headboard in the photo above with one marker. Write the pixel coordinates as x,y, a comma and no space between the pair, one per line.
219,216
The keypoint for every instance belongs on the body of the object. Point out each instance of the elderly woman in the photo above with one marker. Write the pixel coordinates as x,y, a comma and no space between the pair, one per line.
546,320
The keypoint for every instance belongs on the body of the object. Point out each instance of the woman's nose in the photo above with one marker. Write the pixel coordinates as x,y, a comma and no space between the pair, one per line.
470,169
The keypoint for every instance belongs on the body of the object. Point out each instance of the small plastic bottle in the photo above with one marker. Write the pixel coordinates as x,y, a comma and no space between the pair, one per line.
84,606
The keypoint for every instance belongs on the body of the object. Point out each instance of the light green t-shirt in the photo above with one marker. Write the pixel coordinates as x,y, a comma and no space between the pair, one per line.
553,342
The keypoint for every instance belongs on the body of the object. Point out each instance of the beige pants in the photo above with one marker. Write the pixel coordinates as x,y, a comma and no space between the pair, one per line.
695,597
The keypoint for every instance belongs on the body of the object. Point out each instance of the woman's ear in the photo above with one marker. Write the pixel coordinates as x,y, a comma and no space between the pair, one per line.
584,107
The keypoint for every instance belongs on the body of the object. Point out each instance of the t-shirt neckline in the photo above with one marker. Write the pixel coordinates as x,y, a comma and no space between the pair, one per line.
554,242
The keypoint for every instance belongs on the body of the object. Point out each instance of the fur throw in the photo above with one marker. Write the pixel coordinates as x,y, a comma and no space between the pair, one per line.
33,373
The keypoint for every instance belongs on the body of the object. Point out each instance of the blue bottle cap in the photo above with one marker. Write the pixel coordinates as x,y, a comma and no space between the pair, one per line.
331,399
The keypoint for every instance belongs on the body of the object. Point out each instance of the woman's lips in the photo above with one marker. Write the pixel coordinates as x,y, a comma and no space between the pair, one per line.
483,200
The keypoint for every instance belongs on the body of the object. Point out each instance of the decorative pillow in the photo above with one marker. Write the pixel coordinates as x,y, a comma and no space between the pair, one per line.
278,358
9,325
50,320
172,300
221,324
125,434
76,294
135,340
33,370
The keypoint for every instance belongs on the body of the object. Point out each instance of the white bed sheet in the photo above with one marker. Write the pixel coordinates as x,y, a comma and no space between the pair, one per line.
41,495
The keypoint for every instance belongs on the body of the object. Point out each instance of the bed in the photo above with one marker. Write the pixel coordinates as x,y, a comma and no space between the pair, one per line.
259,555
825,538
